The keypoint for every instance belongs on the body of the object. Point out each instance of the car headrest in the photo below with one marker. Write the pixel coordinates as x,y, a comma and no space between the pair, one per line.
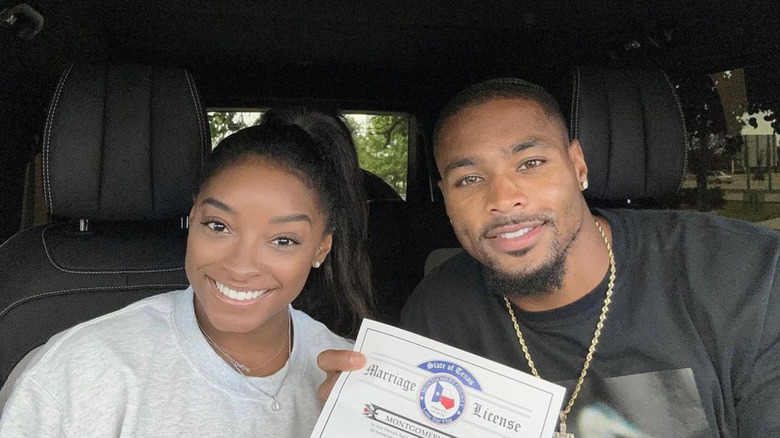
123,143
631,128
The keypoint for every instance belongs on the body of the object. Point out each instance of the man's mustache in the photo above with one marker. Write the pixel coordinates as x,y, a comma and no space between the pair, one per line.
514,220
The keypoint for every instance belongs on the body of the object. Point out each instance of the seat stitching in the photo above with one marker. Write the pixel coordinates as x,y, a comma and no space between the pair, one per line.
12,238
85,289
69,271
577,93
575,103
198,110
684,129
47,137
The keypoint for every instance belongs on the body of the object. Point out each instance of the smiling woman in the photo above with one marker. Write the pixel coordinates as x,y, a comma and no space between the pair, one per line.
229,355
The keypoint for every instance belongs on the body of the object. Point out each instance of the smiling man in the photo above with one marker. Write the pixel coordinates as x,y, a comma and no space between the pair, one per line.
659,323
511,186
653,320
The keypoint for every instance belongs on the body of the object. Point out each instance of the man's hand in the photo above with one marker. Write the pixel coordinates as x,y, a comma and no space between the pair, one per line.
334,362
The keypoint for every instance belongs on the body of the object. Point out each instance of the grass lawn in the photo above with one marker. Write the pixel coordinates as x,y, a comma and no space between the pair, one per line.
737,210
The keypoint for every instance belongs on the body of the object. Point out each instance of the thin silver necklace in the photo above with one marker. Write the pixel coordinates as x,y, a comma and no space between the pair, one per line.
236,364
239,367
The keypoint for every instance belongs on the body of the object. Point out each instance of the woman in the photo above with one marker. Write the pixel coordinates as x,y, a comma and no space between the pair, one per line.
279,216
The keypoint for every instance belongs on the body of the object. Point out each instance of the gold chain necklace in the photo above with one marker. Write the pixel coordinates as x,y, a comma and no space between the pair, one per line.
589,357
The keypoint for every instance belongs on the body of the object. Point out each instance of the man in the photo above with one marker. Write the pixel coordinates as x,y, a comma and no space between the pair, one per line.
658,323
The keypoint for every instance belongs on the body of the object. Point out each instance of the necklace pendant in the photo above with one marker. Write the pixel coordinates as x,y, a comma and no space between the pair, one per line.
562,432
275,405
243,368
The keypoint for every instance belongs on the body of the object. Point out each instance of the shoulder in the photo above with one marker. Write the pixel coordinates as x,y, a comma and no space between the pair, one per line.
708,247
112,334
695,231
317,335
713,263
97,359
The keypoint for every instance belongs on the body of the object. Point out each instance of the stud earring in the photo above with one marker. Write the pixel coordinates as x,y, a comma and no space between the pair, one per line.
316,265
585,185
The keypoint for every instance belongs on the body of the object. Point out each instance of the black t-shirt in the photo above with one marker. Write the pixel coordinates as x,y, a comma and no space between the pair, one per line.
691,344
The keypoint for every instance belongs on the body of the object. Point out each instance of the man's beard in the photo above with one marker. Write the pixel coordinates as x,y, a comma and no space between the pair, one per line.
544,280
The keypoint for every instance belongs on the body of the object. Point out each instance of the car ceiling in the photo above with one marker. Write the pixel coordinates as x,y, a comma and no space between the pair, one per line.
390,54
396,55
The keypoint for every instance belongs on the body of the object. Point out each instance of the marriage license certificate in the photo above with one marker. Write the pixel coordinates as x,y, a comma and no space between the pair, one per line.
412,387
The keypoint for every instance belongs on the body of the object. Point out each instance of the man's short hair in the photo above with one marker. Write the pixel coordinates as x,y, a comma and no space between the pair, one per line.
501,88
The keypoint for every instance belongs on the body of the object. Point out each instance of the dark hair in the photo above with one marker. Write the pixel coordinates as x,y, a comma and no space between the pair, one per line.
501,88
315,144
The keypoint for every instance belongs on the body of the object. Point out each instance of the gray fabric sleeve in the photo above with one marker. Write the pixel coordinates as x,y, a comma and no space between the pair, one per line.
758,401
5,391
31,412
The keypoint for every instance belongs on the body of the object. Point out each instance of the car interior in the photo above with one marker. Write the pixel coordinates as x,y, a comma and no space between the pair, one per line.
105,110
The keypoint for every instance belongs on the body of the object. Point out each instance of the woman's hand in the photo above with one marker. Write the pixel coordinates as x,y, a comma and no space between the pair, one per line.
334,362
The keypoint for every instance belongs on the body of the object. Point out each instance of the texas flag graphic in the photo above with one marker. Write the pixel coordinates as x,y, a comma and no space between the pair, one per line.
445,400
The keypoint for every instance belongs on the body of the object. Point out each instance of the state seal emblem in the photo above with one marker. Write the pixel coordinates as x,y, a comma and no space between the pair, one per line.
442,399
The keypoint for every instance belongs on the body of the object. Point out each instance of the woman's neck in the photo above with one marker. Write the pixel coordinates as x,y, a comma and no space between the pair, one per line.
260,352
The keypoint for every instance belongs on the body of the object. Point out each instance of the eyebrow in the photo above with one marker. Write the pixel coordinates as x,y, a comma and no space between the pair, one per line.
508,152
462,162
291,218
276,220
218,204
525,145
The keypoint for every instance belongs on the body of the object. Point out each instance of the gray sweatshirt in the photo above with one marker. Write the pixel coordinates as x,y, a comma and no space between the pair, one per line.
146,370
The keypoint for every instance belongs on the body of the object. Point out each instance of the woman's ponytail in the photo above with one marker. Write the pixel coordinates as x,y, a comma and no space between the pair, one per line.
339,292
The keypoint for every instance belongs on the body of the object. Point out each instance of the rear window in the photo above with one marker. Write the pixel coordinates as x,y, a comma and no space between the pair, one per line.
382,140
733,140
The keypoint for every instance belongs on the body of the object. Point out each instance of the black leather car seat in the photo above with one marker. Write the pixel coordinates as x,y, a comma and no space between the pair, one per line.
631,128
123,148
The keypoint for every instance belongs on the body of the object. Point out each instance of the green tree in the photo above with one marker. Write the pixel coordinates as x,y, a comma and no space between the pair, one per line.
382,143
712,127
224,123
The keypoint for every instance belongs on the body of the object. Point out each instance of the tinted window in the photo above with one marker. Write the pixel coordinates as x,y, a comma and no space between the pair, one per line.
382,140
733,140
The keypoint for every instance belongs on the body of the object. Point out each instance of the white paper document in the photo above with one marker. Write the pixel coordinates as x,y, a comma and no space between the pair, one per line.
412,387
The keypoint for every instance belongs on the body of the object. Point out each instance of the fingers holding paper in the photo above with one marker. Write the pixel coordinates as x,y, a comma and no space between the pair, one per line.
334,362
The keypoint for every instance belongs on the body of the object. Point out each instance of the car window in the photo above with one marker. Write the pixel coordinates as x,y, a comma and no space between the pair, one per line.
733,139
224,123
382,140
